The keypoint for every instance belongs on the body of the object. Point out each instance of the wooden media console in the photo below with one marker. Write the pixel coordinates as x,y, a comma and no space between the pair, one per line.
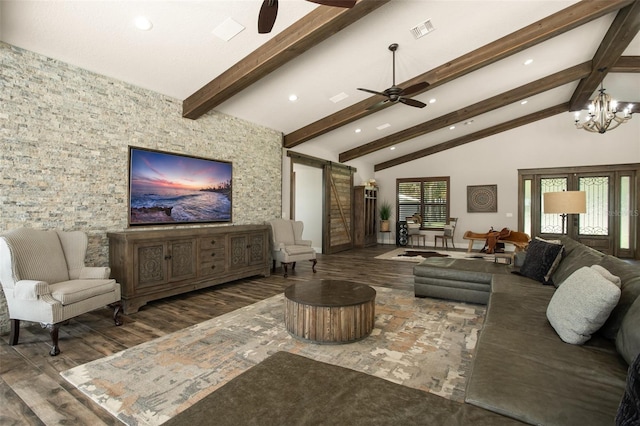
153,264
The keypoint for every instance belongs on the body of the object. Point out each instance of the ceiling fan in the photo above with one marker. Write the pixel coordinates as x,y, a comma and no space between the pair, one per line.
269,11
395,93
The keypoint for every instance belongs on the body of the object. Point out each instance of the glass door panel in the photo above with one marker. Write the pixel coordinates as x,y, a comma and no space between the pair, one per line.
596,220
551,223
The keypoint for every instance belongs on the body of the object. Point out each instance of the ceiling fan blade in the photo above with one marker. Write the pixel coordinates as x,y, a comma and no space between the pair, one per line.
378,105
415,88
412,102
372,91
336,3
267,16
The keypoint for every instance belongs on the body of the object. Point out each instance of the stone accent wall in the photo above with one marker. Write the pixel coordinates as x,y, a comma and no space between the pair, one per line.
65,133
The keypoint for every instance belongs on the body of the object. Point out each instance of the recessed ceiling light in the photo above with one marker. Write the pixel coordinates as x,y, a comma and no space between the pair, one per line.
392,148
293,98
452,127
228,29
468,122
524,102
143,24
383,126
432,100
358,130
528,62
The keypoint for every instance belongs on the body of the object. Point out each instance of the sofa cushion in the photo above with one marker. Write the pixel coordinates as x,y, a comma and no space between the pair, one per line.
628,338
581,305
68,292
630,284
576,256
40,254
540,260
538,379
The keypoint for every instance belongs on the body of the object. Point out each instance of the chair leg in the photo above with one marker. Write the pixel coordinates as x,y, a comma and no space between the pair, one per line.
293,266
15,332
313,265
284,268
273,267
117,310
53,331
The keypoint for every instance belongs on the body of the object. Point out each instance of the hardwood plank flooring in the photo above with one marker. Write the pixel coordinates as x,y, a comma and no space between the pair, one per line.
32,392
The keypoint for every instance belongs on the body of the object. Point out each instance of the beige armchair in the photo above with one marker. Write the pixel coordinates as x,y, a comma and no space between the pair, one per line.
288,247
45,280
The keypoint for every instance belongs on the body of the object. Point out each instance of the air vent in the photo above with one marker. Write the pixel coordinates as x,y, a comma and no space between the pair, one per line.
422,29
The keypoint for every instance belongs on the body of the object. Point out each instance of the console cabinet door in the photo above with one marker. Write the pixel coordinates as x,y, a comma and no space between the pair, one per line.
257,248
238,251
247,250
182,259
151,266
164,261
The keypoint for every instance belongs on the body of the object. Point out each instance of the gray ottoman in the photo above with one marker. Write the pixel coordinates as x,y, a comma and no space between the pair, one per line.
463,280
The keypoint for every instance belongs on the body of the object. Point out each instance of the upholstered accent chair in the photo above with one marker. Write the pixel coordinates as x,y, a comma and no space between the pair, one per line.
44,280
288,247
448,233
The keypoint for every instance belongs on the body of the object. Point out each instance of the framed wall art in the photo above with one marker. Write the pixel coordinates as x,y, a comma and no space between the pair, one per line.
482,198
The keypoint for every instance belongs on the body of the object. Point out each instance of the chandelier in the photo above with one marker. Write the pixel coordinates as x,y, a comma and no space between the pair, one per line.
603,114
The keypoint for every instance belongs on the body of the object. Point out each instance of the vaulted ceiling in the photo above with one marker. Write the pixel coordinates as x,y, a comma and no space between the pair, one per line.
474,61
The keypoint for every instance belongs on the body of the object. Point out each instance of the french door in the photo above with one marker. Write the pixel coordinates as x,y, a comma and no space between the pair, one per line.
610,223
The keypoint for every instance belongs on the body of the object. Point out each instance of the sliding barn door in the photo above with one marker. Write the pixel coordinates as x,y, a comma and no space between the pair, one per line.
339,220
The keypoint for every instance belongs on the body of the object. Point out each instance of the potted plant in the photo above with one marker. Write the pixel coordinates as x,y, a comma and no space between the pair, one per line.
385,215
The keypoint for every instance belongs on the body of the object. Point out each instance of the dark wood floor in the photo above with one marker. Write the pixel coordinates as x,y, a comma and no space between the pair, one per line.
32,392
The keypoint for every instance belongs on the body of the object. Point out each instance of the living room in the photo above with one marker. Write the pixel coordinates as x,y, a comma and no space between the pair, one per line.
66,133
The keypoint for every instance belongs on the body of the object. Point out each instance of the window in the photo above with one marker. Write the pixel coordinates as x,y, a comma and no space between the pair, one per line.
429,197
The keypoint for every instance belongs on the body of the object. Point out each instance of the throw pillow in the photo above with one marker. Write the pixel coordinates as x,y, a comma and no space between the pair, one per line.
606,274
540,259
581,305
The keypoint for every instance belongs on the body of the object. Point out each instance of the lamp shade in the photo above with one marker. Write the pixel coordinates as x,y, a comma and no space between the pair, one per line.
565,202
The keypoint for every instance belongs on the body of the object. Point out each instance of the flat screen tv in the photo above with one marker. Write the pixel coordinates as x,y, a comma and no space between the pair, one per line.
166,188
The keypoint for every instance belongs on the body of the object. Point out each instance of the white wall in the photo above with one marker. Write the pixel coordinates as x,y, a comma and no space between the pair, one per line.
553,142
308,203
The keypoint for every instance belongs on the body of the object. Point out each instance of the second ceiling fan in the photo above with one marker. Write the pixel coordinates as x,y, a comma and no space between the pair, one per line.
397,94
269,11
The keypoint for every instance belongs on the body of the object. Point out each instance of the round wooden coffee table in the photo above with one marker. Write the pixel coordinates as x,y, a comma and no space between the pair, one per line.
329,311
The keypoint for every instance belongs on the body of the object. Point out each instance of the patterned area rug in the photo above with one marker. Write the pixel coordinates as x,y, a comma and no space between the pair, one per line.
399,254
422,343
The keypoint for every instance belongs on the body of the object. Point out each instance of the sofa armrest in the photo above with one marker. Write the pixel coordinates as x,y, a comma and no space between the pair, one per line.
94,272
30,289
303,243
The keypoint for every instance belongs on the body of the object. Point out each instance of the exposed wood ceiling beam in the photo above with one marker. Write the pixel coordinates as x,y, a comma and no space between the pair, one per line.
512,124
558,23
620,34
542,85
320,24
626,64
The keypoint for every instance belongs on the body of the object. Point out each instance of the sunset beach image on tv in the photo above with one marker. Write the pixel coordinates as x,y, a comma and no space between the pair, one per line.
167,188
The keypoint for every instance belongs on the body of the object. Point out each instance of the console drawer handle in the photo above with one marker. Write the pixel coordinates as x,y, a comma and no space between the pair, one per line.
213,266
213,241
213,254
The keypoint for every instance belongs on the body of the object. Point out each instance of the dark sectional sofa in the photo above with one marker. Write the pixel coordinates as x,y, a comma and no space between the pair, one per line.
522,368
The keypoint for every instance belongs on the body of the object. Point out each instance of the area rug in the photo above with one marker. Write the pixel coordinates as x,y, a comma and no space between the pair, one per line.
398,254
422,343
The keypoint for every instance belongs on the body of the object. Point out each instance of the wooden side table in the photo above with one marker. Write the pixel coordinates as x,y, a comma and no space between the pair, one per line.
329,311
